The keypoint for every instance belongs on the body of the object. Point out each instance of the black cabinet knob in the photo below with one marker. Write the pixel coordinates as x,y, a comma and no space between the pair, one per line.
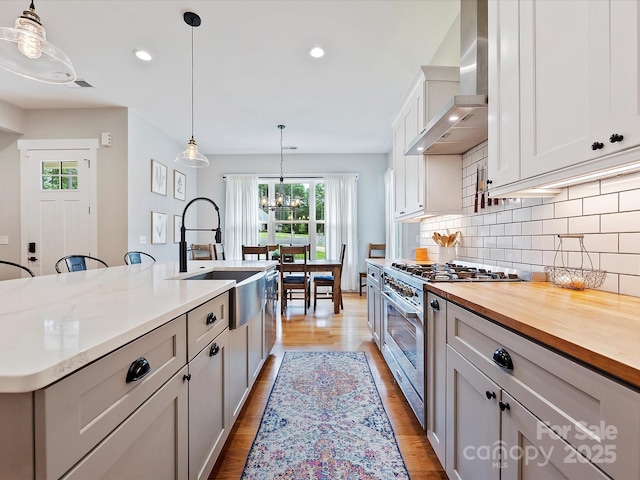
214,350
616,138
504,406
434,304
490,395
503,359
597,145
138,369
186,377
211,318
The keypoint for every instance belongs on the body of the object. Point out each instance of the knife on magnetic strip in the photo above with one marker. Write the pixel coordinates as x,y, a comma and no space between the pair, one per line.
475,201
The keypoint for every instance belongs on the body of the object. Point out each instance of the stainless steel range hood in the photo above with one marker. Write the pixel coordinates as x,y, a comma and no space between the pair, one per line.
462,122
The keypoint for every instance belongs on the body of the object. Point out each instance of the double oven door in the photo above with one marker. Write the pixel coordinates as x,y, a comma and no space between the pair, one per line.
404,348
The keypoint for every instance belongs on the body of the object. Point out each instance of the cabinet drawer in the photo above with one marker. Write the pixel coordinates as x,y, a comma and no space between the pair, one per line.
589,410
373,275
151,443
73,415
206,322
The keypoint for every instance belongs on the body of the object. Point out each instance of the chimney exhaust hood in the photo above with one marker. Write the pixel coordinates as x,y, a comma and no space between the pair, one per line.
462,122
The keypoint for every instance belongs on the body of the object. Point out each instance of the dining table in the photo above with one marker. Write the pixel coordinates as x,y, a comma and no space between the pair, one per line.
323,265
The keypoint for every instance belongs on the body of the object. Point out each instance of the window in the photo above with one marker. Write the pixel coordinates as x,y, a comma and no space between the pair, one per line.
305,225
59,175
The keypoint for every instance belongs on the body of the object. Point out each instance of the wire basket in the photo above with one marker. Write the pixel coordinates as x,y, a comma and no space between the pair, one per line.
574,278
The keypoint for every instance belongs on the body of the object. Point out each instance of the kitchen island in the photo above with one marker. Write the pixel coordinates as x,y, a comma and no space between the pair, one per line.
70,340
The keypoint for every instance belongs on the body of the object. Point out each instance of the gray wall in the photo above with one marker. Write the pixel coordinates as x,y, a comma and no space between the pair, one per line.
369,167
145,143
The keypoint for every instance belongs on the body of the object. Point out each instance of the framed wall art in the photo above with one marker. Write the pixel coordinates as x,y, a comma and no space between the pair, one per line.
158,228
158,177
177,223
179,185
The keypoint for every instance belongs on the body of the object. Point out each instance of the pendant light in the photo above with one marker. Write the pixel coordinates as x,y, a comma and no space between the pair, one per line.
191,157
24,50
280,199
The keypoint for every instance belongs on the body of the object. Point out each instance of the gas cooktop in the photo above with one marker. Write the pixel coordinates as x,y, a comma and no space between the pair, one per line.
459,272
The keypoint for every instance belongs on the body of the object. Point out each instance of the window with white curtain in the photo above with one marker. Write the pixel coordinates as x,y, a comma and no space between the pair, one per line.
304,225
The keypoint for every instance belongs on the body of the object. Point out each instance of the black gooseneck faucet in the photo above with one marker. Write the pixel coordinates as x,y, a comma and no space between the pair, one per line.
183,231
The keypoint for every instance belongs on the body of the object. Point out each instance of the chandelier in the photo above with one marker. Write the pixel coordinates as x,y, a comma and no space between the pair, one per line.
280,201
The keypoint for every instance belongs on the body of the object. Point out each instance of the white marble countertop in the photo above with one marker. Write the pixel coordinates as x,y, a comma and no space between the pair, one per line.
54,324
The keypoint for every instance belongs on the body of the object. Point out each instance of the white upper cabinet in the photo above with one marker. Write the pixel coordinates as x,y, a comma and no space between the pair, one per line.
564,95
430,91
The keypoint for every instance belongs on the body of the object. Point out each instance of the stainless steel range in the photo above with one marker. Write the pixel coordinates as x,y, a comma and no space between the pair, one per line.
405,334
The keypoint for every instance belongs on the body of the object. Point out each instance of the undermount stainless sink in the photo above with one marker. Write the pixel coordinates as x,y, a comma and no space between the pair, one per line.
246,299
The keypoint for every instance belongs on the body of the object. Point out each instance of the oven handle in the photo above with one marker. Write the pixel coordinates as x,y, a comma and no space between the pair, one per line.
402,311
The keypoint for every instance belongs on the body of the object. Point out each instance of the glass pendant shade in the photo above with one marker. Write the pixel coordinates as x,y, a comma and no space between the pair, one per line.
191,157
25,51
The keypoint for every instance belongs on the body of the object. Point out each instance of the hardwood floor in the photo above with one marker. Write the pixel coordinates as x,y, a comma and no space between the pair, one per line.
322,330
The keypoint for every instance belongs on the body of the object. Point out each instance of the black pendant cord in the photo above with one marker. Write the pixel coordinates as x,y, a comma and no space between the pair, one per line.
192,27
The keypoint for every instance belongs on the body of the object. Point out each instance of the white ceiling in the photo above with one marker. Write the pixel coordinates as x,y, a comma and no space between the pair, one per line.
251,64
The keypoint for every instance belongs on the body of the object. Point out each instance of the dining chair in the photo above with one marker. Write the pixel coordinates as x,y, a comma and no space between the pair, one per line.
218,251
256,251
328,281
133,257
376,250
294,275
77,263
201,251
17,265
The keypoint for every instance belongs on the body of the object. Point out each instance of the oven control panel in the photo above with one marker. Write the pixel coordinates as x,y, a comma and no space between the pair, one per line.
403,289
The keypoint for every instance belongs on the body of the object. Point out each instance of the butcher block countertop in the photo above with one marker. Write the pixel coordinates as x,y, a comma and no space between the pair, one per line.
597,328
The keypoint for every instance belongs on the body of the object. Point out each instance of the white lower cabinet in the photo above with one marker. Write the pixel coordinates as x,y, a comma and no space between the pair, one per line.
473,421
436,374
209,416
374,303
151,443
516,409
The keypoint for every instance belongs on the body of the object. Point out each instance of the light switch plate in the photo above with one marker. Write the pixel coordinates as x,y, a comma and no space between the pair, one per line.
142,239
4,240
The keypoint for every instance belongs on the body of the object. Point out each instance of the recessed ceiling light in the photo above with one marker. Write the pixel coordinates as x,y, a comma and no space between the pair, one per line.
143,55
316,52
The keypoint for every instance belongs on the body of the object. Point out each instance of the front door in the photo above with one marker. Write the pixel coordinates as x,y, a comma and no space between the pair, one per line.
58,211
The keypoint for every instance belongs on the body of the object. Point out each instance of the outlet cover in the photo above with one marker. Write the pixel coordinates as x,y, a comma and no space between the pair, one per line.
142,239
4,240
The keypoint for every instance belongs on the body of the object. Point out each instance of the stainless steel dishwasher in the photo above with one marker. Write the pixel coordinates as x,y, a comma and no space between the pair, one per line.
270,314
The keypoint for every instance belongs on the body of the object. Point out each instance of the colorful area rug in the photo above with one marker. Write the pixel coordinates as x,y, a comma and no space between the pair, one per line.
324,420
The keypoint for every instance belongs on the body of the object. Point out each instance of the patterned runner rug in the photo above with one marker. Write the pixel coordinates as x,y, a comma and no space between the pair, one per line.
324,420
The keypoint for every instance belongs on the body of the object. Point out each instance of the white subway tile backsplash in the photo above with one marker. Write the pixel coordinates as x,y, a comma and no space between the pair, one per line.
600,204
542,242
590,224
556,226
532,228
629,200
513,229
522,215
523,242
542,212
533,257
584,190
630,285
522,233
570,208
629,243
603,242
620,222
620,263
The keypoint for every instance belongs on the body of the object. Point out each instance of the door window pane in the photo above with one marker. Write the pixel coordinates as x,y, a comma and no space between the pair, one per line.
59,175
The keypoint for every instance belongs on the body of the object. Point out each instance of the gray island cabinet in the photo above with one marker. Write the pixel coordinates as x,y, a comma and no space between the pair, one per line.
156,404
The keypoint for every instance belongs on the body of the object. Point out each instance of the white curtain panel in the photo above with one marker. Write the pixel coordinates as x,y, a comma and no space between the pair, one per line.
340,213
388,207
241,214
